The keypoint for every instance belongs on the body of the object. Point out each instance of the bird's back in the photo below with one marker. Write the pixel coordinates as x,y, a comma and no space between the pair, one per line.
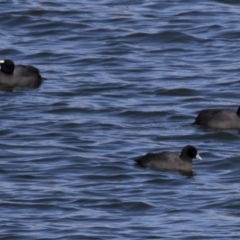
163,160
218,118
27,76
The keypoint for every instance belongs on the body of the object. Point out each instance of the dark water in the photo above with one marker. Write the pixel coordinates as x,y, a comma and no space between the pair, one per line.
123,79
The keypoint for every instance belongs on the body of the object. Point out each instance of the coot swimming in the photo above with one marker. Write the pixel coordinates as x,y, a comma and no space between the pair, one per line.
170,160
12,75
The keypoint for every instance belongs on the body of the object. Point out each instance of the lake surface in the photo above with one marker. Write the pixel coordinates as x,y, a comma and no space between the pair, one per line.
123,79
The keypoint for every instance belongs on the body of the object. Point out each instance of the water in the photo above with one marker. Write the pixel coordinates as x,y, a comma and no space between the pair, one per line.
123,79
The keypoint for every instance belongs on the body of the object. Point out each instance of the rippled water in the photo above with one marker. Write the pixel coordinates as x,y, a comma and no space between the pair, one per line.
123,79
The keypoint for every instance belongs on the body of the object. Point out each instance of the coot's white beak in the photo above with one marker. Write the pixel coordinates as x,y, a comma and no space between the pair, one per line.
2,61
198,157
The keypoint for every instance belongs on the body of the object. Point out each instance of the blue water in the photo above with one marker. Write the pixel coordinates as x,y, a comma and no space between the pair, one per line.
122,79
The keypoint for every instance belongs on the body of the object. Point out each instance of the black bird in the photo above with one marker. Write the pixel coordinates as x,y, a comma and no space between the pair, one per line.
219,118
12,75
170,160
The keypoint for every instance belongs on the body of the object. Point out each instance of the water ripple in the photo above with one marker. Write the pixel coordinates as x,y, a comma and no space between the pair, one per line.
122,79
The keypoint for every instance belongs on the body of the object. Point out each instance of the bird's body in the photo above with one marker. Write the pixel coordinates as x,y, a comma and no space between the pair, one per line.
12,75
217,118
169,160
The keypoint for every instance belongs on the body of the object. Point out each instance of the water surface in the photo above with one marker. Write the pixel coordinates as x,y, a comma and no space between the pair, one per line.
123,79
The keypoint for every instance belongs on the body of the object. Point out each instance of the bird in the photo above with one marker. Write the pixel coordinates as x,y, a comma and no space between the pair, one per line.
12,75
170,160
219,118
